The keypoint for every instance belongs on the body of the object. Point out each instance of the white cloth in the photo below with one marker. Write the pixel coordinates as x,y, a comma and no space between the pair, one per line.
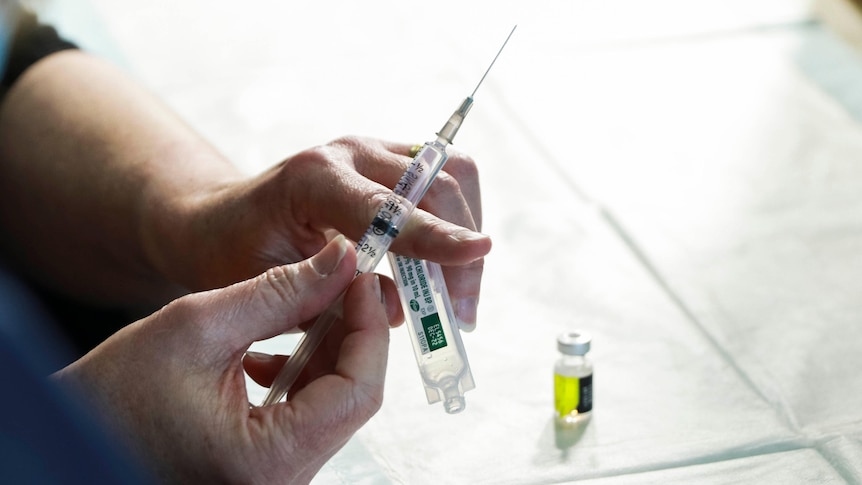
689,193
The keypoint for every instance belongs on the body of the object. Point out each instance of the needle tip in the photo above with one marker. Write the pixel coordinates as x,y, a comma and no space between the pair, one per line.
495,60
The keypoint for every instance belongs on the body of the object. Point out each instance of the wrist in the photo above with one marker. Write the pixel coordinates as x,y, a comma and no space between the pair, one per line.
180,232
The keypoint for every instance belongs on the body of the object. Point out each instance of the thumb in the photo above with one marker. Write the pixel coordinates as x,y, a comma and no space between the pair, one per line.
286,296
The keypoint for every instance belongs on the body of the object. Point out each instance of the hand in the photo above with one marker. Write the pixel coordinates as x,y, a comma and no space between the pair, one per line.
240,228
173,382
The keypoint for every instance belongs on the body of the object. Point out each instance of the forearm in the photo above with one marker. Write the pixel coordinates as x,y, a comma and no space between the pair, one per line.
89,163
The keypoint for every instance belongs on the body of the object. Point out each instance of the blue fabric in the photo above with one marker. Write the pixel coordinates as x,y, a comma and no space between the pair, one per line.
6,21
46,436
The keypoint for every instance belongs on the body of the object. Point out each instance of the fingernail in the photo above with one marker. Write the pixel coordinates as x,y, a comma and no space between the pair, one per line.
259,356
377,290
467,235
325,262
465,312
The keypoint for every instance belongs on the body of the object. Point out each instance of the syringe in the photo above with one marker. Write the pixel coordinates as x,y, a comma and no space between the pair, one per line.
374,244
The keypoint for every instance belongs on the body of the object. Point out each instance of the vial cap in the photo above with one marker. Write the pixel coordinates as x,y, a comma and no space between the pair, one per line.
574,343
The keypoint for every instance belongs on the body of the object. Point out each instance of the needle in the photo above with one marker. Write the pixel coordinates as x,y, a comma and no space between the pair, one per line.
495,60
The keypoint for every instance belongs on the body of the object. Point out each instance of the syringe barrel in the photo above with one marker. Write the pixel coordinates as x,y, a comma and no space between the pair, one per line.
399,204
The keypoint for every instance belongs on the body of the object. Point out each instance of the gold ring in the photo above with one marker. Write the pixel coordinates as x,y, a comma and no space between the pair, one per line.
414,150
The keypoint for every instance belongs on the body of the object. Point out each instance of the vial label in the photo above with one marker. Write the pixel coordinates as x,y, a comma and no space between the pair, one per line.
435,337
424,316
585,403
573,395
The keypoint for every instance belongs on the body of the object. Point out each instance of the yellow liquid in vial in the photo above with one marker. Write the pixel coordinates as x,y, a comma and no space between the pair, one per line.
567,399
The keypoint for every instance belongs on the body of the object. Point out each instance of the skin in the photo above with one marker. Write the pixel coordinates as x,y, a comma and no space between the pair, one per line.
188,411
128,194
108,197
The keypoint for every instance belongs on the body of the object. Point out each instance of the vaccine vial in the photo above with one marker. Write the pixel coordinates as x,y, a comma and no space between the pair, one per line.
573,379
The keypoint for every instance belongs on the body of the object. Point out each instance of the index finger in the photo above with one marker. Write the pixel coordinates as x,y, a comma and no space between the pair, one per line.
453,212
455,194
443,230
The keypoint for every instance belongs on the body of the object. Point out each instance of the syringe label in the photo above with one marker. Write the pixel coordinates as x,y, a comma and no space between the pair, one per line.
392,206
364,246
408,180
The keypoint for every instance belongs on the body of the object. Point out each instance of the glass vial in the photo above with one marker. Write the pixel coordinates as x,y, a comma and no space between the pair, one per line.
573,379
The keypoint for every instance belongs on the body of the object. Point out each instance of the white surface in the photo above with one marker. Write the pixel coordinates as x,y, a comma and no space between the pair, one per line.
681,179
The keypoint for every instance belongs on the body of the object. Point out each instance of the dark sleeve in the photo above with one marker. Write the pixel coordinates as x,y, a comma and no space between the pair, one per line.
84,325
32,41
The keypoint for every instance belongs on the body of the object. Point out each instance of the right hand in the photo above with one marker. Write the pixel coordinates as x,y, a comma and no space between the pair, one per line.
238,229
